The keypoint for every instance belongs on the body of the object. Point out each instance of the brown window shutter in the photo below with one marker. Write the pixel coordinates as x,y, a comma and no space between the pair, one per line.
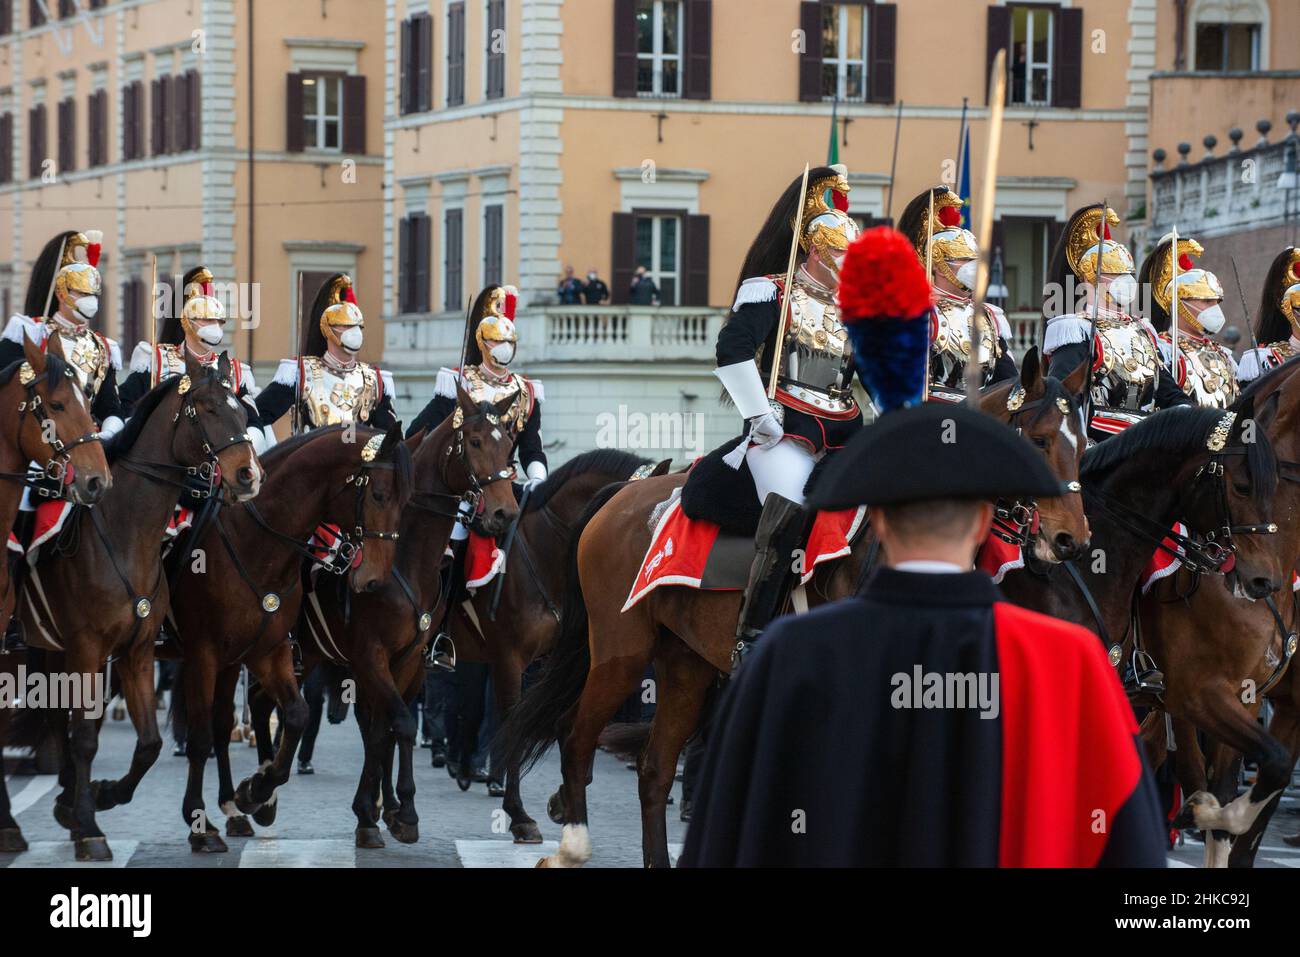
455,54
625,47
354,115
293,114
35,16
492,244
196,110
699,49
6,152
405,264
454,258
422,228
166,92
883,37
406,81
1068,69
810,63
999,38
155,117
623,257
36,151
92,131
140,119
6,27
67,135
424,63
496,59
128,121
180,113
695,260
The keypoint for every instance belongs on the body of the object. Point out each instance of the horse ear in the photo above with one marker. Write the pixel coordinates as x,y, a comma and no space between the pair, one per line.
392,439
223,365
35,355
502,407
465,400
1031,373
1076,382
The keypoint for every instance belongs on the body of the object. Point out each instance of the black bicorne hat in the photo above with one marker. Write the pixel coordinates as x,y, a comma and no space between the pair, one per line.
930,452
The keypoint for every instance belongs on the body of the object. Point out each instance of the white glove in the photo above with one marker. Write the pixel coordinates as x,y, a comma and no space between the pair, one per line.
536,475
765,431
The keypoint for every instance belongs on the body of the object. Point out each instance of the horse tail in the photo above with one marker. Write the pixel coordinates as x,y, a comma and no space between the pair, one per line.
177,714
626,741
533,724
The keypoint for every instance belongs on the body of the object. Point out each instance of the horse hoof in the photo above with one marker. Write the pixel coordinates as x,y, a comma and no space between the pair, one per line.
403,832
369,837
209,842
93,849
526,832
265,815
12,841
238,827
65,816
390,818
555,808
244,797
102,792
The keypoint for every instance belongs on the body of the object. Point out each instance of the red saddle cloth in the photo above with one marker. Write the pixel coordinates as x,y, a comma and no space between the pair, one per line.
680,548
483,560
996,557
50,516
1163,564
325,542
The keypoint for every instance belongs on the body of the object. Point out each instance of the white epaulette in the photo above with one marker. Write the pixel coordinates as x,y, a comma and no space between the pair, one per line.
286,373
446,382
114,353
538,392
142,357
758,289
19,324
1166,351
1065,330
246,376
386,377
1251,365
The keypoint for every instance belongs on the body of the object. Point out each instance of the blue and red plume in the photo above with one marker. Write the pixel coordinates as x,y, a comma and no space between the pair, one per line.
884,302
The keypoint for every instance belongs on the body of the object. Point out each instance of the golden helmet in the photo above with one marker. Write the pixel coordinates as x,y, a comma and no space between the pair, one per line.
342,312
498,322
200,300
1084,245
83,248
941,237
77,277
1289,293
1193,282
827,226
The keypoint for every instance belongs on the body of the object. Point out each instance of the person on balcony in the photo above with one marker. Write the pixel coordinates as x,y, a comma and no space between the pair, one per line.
595,292
644,292
570,289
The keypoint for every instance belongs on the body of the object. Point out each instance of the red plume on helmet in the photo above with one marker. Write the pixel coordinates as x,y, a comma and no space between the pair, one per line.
950,216
884,299
1185,263
350,296
512,301
94,245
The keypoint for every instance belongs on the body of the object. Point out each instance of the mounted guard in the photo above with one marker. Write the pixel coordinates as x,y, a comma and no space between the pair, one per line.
1128,379
1185,304
326,384
932,221
1277,322
198,332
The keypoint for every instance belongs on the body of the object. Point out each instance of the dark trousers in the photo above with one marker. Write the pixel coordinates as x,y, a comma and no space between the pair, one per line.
313,690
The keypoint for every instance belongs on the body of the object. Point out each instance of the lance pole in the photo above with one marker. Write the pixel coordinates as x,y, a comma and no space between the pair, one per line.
984,234
783,320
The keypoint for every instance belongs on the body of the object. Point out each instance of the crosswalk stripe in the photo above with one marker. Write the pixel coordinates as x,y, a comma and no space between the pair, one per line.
273,852
505,854
1284,861
1175,862
37,787
62,854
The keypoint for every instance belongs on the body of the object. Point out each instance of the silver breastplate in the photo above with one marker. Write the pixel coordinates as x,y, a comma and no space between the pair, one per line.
89,359
1129,363
337,398
952,344
1205,373
816,358
483,388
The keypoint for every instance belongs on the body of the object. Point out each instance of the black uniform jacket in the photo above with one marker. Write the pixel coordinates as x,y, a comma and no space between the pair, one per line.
844,740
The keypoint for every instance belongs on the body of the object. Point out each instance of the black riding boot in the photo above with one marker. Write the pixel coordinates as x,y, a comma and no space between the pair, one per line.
440,653
781,530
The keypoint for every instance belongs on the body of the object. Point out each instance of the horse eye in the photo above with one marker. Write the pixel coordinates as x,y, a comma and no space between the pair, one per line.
476,442
1039,441
56,406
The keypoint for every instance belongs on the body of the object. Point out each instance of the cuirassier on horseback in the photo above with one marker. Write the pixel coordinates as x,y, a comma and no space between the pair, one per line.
1277,322
932,221
197,331
327,384
790,323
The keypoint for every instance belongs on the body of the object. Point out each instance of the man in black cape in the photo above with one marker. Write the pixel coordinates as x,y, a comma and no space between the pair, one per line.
926,722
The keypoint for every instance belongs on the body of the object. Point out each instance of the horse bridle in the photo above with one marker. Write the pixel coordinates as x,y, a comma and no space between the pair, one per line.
1015,521
473,495
61,452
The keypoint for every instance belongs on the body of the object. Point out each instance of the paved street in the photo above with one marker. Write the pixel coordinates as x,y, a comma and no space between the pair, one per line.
314,827
315,824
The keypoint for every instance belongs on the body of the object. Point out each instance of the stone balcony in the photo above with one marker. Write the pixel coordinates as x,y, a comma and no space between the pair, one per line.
626,334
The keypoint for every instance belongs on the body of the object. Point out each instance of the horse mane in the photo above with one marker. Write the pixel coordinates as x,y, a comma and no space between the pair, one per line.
612,461
400,456
1173,430
1260,384
122,443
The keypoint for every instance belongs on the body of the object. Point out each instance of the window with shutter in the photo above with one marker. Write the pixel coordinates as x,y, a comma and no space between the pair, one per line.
455,54
883,38
496,49
322,111
422,234
35,14
6,151
810,59
180,114
195,113
622,257
492,244
293,113
161,114
1067,87
67,135
36,143
625,46
128,122
453,264
1031,55
405,265
699,49
998,37
407,83
424,64
133,327
67,8
695,256
6,26
92,131
659,45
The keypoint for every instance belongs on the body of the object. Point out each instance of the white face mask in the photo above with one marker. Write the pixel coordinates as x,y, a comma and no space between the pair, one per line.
87,307
210,335
966,274
1211,319
503,353
1123,290
351,338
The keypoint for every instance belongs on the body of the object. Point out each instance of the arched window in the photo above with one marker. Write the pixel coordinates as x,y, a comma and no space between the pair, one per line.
1229,35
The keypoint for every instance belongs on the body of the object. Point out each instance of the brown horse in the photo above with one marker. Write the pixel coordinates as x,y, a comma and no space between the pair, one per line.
98,591
602,651
244,567
467,458
44,421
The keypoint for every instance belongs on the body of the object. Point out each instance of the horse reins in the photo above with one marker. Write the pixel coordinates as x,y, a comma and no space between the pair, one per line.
61,452
1015,521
